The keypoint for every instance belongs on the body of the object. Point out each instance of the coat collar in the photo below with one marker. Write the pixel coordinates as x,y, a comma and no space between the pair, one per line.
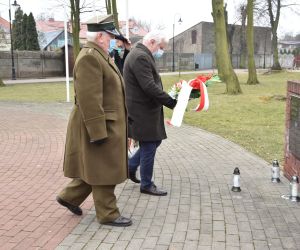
103,54
144,48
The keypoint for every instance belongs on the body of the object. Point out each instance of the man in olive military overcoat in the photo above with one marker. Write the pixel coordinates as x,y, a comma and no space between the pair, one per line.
96,142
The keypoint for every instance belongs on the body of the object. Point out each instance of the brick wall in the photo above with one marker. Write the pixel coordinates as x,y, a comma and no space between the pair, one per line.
291,162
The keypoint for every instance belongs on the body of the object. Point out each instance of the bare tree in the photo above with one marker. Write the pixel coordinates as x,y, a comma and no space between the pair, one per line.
2,83
222,54
252,76
273,8
243,48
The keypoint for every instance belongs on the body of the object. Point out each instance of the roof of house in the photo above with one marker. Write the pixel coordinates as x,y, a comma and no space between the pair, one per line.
4,24
48,37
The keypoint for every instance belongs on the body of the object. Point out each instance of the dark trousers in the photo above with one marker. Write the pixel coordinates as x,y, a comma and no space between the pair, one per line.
144,158
104,198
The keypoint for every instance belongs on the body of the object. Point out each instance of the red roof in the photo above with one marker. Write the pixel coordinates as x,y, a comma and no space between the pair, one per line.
4,24
52,25
49,25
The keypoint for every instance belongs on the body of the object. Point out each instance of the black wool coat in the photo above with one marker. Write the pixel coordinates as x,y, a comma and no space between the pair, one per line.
145,97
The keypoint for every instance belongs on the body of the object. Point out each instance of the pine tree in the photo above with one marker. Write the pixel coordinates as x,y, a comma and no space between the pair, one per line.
17,29
31,34
24,32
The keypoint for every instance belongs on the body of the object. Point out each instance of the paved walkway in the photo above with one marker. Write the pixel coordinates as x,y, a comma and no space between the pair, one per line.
195,167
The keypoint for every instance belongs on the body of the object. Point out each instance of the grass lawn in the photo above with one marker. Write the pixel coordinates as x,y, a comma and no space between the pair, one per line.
254,119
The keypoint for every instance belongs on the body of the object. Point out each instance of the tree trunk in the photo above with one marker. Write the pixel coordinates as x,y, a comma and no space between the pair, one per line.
75,20
252,76
243,38
223,58
115,13
274,25
2,83
108,7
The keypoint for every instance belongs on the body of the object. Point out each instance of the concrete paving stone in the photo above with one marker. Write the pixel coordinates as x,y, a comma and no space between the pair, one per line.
260,244
188,245
120,245
205,239
154,231
126,235
85,237
161,247
192,235
135,244
140,233
101,234
231,229
69,240
245,237
206,228
62,248
165,239
176,246
247,246
112,237
77,246
274,243
219,236
271,233
92,245
218,225
232,240
289,243
244,226
149,242
258,235
181,226
80,229
168,228
105,246
179,236
218,246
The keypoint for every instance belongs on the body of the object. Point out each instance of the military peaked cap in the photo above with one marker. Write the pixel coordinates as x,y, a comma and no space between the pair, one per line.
102,23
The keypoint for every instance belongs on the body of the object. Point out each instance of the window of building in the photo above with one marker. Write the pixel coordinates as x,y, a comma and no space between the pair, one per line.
194,36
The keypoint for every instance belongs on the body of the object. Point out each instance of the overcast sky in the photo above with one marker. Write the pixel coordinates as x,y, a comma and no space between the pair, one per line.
157,12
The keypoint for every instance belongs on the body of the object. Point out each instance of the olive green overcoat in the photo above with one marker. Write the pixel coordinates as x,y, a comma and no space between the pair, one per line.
99,114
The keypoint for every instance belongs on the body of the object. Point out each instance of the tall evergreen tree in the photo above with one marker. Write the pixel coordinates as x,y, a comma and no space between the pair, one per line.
31,34
24,32
17,29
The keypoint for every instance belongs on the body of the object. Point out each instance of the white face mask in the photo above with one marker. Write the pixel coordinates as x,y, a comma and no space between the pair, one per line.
158,54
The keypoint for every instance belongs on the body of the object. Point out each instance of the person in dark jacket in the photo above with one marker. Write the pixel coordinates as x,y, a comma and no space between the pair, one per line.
121,49
145,99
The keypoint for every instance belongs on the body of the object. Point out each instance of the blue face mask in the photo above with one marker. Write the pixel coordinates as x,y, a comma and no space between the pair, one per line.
158,54
112,45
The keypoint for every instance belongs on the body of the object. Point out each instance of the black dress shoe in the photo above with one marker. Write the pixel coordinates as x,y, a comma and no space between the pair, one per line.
119,222
132,176
153,190
74,209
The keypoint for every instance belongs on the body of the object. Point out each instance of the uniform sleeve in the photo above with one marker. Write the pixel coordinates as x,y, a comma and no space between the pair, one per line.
144,75
89,94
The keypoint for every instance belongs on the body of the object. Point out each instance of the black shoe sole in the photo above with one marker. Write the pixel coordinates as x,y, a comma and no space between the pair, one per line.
76,210
113,224
155,194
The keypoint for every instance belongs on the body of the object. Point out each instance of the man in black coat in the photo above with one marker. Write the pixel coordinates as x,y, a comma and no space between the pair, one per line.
120,52
145,99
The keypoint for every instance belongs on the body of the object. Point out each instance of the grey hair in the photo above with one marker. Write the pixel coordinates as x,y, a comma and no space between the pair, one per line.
157,35
91,36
